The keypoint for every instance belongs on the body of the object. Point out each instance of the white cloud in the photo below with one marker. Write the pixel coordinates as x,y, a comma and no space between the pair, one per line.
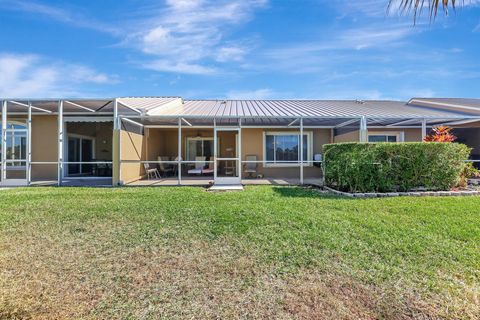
371,8
179,67
192,33
180,5
25,75
374,37
258,94
230,54
65,16
335,49
178,36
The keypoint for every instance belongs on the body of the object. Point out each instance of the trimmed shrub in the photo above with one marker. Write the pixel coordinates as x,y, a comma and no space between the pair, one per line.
390,167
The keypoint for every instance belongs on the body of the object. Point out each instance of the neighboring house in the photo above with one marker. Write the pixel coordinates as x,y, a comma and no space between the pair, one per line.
125,140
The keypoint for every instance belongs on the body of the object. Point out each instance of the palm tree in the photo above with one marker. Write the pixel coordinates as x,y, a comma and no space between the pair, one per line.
416,6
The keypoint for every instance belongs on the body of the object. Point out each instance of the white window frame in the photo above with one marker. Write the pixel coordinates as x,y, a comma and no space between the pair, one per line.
307,163
187,147
400,135
12,130
18,157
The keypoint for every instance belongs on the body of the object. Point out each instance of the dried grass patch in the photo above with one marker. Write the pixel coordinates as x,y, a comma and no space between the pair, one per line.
54,272
63,272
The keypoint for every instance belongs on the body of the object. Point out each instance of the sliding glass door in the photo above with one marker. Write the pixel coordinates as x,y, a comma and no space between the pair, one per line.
199,147
80,149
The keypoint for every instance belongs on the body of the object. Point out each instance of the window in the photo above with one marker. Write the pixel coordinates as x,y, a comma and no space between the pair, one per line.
199,147
282,148
16,146
385,137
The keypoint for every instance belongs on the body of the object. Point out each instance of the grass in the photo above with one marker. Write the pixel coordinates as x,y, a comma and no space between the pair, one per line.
267,252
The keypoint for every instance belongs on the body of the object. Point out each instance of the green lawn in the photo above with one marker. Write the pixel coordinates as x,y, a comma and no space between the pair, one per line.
266,252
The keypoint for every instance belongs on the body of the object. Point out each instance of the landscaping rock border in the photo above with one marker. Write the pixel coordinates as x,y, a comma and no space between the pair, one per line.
400,194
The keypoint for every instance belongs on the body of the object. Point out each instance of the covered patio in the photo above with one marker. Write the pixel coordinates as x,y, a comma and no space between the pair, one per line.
202,142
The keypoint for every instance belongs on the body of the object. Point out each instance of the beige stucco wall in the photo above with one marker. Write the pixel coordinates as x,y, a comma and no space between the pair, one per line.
410,134
44,147
347,137
132,147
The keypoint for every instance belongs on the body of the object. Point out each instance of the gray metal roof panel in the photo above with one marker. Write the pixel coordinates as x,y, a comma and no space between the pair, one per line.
306,108
174,106
467,102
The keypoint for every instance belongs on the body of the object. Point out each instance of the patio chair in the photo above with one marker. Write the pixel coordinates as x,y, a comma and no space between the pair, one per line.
166,169
250,168
151,172
199,165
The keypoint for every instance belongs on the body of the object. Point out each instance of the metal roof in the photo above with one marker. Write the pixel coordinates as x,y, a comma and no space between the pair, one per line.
328,113
452,104
163,107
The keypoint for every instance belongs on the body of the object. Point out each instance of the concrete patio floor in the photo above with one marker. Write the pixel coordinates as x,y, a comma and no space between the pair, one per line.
202,181
172,181
100,182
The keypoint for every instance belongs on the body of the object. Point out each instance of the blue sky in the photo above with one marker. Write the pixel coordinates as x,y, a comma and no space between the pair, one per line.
256,49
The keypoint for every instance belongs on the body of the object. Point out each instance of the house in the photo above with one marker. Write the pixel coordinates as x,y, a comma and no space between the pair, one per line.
171,141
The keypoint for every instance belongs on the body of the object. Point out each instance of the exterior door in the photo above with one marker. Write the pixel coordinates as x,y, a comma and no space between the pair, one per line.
80,150
227,156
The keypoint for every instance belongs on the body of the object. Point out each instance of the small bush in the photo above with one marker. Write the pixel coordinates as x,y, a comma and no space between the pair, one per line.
468,172
390,167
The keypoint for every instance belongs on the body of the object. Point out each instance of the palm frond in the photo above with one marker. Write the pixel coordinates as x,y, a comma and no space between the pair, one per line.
417,6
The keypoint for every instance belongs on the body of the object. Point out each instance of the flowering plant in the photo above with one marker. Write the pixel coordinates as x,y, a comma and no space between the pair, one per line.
440,134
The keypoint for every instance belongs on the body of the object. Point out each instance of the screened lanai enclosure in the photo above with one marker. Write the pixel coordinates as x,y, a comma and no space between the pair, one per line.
171,141
56,142
256,142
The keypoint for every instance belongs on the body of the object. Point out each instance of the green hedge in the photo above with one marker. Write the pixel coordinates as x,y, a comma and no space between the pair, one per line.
389,167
